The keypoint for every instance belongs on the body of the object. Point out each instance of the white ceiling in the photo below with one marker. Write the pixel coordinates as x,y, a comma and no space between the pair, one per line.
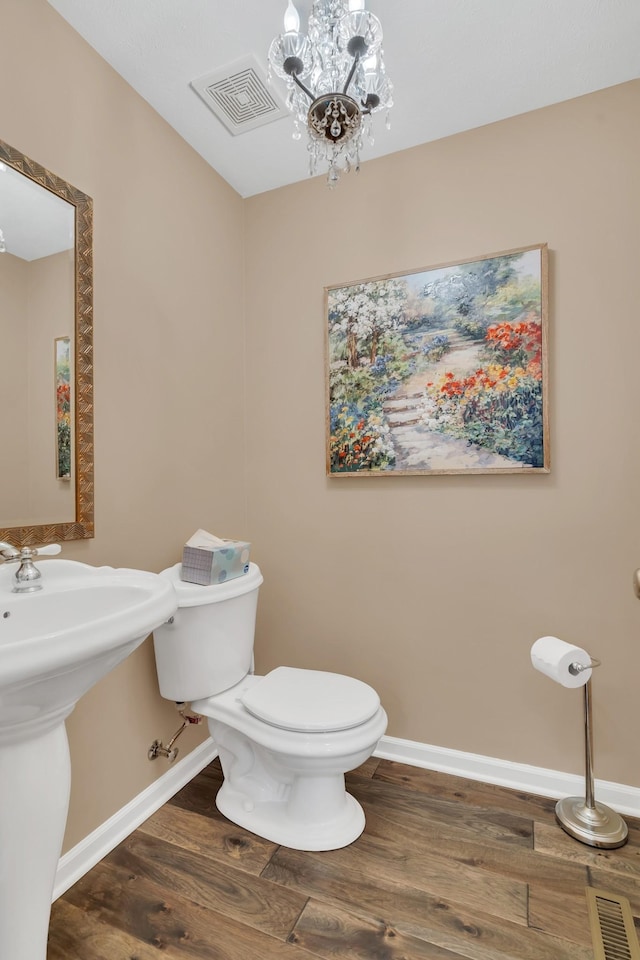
455,65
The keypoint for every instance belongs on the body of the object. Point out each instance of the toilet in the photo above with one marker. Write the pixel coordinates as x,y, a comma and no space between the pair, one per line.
284,740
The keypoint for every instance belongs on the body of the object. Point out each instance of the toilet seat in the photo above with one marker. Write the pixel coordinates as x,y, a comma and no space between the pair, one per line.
310,701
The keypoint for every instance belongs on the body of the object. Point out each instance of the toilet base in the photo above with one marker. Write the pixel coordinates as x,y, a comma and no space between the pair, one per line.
272,820
288,785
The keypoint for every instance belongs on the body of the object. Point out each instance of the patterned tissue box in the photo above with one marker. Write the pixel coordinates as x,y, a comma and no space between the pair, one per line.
207,565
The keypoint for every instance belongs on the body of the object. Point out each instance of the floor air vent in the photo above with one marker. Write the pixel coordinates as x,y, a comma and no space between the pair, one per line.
612,929
239,96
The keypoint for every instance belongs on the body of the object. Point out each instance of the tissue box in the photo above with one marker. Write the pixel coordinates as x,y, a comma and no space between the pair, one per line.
206,565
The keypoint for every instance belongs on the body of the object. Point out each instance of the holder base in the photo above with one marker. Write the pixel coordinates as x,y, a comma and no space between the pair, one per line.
597,826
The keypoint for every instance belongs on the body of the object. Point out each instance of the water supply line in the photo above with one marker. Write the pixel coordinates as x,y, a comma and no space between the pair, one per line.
158,749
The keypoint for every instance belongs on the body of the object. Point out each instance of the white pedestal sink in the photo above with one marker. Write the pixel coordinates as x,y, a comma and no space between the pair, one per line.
54,645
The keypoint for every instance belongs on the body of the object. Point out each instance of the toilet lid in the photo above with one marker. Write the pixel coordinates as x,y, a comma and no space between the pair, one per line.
310,700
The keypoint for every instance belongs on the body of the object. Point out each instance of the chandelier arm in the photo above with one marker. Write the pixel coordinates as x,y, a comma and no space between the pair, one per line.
295,78
354,65
369,105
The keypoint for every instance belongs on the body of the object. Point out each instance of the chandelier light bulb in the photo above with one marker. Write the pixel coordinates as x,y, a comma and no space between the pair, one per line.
291,19
356,5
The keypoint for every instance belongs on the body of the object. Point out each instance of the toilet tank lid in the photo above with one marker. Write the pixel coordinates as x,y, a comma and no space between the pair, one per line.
194,594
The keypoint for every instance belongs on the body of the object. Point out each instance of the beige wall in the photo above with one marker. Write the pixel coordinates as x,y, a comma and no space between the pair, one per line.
169,340
433,589
14,345
50,313
36,305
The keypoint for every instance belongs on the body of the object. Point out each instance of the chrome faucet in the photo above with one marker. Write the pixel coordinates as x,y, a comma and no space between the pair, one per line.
27,577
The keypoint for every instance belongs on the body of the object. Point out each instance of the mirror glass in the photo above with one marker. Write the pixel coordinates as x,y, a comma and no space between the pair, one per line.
46,338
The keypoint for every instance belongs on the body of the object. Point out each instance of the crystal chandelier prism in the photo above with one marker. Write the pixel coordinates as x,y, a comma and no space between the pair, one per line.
336,80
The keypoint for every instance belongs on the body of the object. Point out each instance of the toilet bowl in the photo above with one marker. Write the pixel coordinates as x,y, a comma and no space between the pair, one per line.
285,740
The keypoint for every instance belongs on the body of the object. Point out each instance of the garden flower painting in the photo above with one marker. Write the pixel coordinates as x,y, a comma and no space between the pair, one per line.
440,371
63,407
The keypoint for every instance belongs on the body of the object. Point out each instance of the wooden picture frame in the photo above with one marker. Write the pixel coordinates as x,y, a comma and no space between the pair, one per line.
442,370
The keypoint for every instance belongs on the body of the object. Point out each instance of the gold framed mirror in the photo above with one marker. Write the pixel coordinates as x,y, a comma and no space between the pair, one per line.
26,525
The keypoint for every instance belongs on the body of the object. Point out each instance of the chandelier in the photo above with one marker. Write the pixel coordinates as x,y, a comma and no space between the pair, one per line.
336,80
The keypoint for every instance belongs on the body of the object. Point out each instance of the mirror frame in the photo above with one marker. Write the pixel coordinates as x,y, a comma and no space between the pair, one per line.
83,526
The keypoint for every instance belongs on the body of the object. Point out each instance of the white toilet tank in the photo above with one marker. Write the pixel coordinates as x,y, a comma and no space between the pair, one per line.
209,645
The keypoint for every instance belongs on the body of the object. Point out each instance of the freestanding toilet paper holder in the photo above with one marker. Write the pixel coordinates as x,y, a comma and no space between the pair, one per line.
592,823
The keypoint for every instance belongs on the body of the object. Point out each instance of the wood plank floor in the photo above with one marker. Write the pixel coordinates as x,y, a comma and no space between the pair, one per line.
446,868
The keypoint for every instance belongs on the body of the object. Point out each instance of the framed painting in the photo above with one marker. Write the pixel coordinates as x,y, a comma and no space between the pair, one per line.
62,374
441,370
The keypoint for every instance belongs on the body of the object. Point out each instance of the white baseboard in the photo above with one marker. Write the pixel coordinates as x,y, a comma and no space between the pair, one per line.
517,776
81,858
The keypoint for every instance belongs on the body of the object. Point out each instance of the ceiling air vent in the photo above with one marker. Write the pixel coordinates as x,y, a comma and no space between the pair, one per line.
239,96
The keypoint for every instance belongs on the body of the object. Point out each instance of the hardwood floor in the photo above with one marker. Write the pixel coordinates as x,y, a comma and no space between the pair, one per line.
446,868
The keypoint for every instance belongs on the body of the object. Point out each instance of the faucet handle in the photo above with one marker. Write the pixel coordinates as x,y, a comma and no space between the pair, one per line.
50,550
22,555
8,551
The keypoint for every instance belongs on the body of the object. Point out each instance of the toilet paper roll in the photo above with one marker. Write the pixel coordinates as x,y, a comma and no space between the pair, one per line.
553,657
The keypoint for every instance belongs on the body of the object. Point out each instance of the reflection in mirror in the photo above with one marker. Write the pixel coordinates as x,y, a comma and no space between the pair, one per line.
46,340
37,279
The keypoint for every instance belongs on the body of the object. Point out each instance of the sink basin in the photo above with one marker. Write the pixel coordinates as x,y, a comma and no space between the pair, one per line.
54,645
